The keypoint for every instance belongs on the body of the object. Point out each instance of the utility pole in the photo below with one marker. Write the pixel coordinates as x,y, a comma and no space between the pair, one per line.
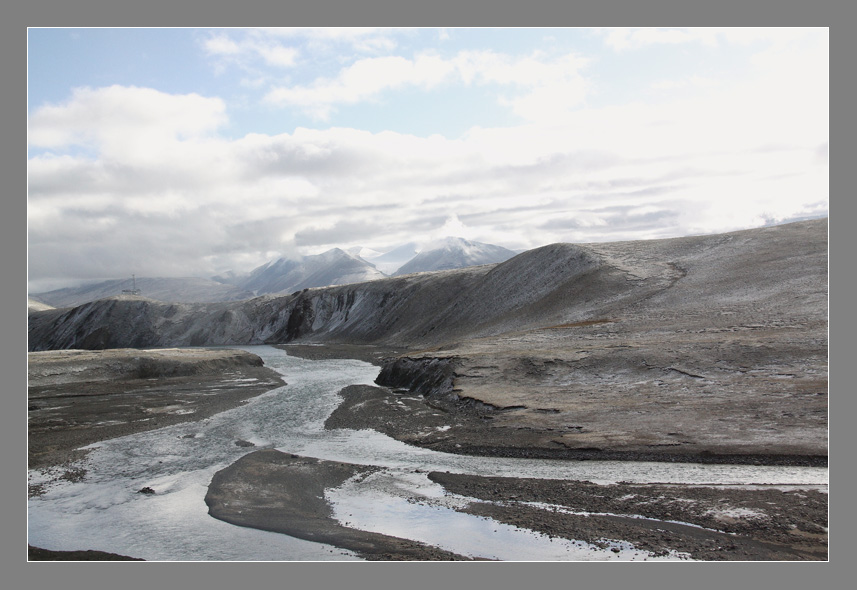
133,291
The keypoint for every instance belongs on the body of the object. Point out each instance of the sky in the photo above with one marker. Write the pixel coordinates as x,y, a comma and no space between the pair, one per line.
191,152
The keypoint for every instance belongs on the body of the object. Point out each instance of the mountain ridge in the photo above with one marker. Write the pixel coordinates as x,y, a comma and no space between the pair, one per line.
696,281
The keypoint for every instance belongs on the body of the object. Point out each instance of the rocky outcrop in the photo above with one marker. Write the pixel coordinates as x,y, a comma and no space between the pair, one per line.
432,377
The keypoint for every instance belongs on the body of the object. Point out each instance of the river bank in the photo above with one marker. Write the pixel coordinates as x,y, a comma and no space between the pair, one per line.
458,400
77,397
300,493
284,493
705,522
291,494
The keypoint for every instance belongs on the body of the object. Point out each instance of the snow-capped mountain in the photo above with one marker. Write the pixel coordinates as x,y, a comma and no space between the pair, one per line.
177,290
286,275
450,253
334,267
390,261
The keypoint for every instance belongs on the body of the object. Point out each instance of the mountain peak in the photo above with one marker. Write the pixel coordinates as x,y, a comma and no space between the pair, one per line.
332,267
453,252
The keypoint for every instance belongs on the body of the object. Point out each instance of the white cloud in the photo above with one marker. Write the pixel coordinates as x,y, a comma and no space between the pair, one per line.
540,87
249,48
363,80
278,55
221,45
452,227
366,39
118,116
633,38
144,177
694,81
630,38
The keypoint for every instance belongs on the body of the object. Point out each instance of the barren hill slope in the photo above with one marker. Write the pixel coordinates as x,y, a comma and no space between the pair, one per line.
776,274
719,353
700,347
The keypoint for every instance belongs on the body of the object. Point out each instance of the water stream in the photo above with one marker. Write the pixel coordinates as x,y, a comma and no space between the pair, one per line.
105,512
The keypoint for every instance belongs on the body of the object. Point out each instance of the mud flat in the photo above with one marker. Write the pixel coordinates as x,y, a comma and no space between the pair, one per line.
79,397
39,554
369,353
709,523
284,493
280,492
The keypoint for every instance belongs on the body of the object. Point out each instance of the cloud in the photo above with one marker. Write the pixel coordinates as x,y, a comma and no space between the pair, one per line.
632,38
244,52
127,122
128,180
253,50
694,81
364,80
361,39
453,227
343,231
538,87
277,55
220,44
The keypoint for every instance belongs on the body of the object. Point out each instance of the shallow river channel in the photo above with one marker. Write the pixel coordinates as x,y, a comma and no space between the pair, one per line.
105,512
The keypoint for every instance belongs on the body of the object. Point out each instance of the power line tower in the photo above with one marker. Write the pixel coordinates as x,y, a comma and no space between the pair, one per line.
134,290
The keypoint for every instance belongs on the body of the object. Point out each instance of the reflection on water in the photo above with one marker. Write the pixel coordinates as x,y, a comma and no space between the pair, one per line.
106,513
404,504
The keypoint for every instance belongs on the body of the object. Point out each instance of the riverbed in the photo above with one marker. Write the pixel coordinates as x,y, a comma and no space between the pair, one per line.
105,510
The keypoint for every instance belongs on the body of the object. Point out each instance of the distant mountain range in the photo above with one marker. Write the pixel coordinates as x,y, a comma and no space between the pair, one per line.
284,275
451,253
179,290
287,275
716,287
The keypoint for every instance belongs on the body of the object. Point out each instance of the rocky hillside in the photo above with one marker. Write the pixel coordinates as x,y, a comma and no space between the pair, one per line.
410,310
774,274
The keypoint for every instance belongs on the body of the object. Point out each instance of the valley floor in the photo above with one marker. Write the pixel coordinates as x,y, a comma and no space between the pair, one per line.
78,397
703,522
138,391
